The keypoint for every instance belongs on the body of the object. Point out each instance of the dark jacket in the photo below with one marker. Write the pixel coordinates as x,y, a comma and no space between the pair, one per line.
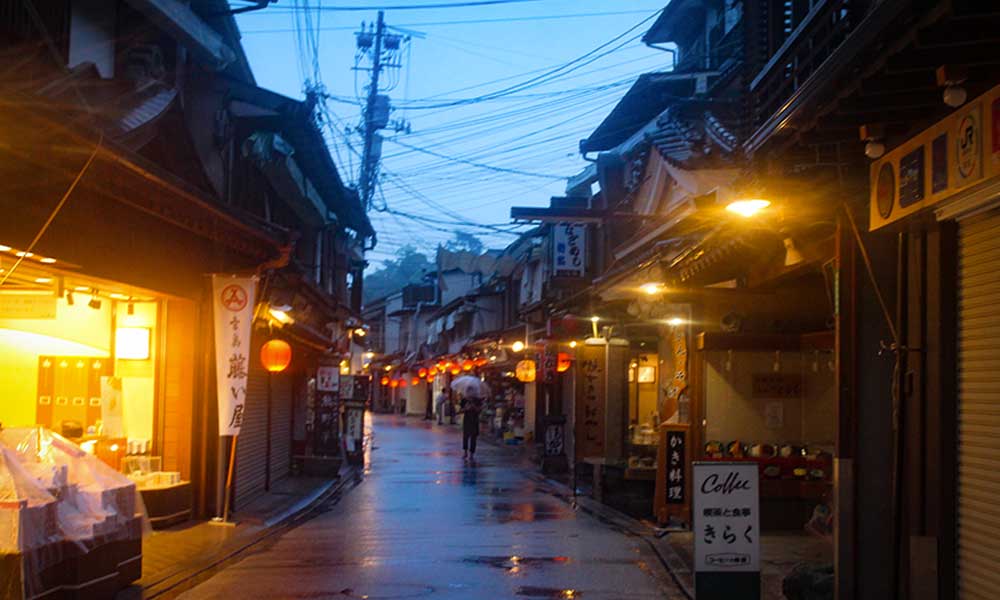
470,418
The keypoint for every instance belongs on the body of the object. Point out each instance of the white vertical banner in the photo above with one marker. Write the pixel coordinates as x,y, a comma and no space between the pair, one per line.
569,249
233,302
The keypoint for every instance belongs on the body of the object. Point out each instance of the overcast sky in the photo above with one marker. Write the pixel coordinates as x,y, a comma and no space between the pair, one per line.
511,150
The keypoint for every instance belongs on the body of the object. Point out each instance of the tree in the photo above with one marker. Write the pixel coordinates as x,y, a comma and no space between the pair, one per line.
465,241
408,267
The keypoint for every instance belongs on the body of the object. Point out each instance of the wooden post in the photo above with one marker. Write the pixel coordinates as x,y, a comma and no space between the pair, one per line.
229,481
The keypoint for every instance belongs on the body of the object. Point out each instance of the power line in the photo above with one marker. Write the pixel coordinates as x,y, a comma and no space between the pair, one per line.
452,23
471,4
475,164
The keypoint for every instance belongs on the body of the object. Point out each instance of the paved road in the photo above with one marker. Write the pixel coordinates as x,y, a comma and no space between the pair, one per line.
423,524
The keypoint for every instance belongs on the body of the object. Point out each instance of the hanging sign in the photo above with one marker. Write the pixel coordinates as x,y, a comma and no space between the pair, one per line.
726,530
233,309
328,378
569,249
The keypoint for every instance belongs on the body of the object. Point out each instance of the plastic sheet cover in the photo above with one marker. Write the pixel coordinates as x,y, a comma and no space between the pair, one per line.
57,503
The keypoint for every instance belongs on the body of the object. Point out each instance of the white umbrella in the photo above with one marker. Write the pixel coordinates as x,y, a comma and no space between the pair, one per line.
470,387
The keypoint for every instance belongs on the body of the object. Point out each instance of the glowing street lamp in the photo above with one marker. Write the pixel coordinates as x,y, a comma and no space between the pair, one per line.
748,207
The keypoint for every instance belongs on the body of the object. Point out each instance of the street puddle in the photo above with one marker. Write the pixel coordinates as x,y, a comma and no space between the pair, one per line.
544,592
527,512
514,564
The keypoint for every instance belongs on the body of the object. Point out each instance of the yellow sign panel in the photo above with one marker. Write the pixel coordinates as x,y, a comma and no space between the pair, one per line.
956,153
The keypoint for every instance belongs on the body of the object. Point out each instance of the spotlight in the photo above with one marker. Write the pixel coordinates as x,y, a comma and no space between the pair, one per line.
874,149
131,308
517,346
94,302
69,298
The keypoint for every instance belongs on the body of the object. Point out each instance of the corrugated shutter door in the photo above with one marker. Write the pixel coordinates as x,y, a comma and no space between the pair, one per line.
281,426
979,408
251,450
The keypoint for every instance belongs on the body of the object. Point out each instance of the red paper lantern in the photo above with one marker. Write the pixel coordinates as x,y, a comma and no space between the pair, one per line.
276,355
430,379
455,370
422,373
432,372
402,383
481,361
467,365
394,383
415,381
563,362
385,381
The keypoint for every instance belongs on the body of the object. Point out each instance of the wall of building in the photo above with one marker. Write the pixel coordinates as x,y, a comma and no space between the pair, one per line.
732,413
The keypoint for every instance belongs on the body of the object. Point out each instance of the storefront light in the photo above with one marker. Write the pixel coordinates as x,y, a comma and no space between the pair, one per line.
43,280
118,296
675,321
652,288
517,346
4,248
748,207
281,316
132,343
360,332
47,260
369,355
573,344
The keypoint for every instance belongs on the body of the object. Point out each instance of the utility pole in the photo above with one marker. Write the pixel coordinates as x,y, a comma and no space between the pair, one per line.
383,52
369,161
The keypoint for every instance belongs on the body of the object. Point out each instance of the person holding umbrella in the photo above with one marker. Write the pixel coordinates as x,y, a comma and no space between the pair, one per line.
473,391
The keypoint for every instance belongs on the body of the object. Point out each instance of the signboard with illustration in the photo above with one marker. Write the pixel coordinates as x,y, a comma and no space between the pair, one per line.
726,530
956,153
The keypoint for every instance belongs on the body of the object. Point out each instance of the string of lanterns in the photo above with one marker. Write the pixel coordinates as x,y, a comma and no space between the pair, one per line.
525,370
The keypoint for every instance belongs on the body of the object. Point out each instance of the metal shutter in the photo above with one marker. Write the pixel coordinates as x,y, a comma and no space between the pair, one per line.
251,449
281,426
979,408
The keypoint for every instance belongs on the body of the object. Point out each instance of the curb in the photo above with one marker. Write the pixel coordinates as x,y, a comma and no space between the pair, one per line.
185,579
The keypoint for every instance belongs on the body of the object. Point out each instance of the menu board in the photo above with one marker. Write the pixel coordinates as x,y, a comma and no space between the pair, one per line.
726,518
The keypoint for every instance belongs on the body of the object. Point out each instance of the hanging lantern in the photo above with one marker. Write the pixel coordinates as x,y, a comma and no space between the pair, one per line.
415,381
455,369
442,366
384,381
467,365
422,373
430,379
563,362
432,372
525,371
481,361
402,383
276,355
394,383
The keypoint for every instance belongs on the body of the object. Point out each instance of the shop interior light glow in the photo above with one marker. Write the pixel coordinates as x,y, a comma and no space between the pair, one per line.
132,343
748,207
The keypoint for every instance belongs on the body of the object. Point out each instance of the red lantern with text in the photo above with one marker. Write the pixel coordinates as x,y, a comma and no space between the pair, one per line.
563,362
384,381
276,355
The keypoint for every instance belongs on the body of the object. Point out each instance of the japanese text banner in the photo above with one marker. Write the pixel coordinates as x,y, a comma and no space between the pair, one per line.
233,302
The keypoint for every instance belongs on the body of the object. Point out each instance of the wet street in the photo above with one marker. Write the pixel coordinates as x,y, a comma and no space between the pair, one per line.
424,525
